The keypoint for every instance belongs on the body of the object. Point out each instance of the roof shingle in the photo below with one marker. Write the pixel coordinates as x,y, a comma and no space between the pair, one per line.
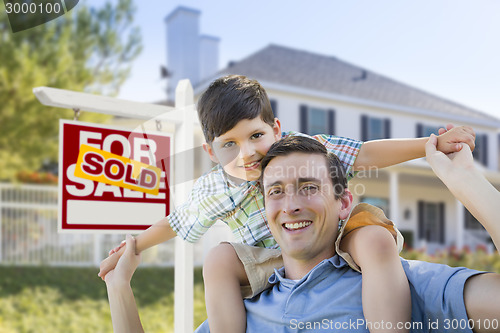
328,74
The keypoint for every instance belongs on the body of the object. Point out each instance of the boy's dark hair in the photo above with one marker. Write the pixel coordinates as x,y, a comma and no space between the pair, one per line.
230,99
302,144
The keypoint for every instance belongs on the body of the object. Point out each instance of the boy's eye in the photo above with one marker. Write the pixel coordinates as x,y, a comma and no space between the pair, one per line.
257,135
228,144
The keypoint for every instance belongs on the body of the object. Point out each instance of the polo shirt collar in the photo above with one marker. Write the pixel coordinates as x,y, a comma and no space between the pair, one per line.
279,274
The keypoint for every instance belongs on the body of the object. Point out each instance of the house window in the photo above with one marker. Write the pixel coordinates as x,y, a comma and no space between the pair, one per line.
431,222
480,153
470,221
316,121
426,130
373,128
378,202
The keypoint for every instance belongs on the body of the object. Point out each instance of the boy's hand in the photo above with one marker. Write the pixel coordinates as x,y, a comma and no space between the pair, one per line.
443,130
445,166
450,139
116,249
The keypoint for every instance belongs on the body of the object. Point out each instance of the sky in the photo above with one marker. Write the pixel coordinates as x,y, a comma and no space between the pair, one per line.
450,48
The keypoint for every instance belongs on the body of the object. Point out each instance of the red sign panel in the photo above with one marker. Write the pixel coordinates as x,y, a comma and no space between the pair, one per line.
91,206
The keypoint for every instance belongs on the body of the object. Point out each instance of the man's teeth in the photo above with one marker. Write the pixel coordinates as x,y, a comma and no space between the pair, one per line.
297,225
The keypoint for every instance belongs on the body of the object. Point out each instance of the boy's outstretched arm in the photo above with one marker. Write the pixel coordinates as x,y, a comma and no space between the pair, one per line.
158,233
387,152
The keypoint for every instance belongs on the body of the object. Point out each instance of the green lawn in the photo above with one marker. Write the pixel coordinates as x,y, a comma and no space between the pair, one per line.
48,299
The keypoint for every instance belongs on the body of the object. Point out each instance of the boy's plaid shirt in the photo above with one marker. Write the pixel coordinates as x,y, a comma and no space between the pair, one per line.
241,207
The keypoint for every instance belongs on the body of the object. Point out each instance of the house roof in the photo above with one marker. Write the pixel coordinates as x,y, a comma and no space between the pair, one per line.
328,74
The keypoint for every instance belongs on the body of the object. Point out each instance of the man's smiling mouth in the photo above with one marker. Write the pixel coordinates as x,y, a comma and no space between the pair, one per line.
297,225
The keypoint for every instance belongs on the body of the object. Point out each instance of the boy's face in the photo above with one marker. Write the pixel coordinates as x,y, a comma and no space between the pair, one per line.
241,149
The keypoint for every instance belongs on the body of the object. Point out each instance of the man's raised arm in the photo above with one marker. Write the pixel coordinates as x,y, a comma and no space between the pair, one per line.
458,173
124,314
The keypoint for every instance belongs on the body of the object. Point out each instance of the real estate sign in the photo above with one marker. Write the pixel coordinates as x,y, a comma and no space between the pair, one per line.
112,180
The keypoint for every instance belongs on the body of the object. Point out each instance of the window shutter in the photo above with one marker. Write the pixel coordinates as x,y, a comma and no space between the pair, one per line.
420,130
420,206
303,119
484,158
364,128
331,122
441,223
274,107
387,128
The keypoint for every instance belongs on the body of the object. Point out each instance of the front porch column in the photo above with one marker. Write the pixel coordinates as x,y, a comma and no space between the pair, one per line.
394,196
459,211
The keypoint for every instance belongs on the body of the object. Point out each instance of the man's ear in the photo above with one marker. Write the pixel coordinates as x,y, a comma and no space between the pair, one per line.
346,204
208,148
277,129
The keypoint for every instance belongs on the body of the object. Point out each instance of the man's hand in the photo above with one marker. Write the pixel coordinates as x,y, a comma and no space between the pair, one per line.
126,265
108,264
449,139
445,166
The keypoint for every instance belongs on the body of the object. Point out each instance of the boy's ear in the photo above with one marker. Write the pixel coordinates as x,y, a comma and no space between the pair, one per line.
277,129
210,152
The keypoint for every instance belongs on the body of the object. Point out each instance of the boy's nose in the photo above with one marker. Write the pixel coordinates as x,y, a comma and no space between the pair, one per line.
247,150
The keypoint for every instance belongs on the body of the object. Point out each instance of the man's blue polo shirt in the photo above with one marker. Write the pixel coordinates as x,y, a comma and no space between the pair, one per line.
328,299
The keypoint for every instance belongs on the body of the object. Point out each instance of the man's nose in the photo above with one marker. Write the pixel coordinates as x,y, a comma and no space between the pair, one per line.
292,203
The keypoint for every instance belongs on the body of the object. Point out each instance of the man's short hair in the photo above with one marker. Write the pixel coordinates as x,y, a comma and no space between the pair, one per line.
302,144
230,99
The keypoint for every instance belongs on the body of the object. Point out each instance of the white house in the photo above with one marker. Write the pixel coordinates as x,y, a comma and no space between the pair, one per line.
314,93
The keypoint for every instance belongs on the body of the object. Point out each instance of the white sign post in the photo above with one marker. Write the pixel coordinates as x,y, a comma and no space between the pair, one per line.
183,116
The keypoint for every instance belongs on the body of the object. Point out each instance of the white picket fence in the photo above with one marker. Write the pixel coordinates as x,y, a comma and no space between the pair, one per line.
28,234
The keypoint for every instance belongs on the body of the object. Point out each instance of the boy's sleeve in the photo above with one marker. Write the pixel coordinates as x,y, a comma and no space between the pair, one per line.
210,200
346,149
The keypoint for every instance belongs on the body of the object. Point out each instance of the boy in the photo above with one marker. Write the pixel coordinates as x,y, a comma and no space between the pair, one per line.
239,128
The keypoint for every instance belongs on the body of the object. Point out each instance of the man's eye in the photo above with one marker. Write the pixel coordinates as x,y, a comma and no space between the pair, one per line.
228,144
275,191
309,188
257,135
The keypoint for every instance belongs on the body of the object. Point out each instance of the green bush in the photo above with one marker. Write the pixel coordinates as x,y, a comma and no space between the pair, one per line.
479,259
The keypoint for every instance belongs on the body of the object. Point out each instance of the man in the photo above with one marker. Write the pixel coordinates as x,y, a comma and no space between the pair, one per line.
306,197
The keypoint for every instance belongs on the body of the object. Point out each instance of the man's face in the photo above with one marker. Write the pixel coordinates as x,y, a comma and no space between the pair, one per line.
301,207
241,149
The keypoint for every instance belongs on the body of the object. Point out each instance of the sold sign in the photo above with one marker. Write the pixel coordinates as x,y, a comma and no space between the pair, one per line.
112,169
112,180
